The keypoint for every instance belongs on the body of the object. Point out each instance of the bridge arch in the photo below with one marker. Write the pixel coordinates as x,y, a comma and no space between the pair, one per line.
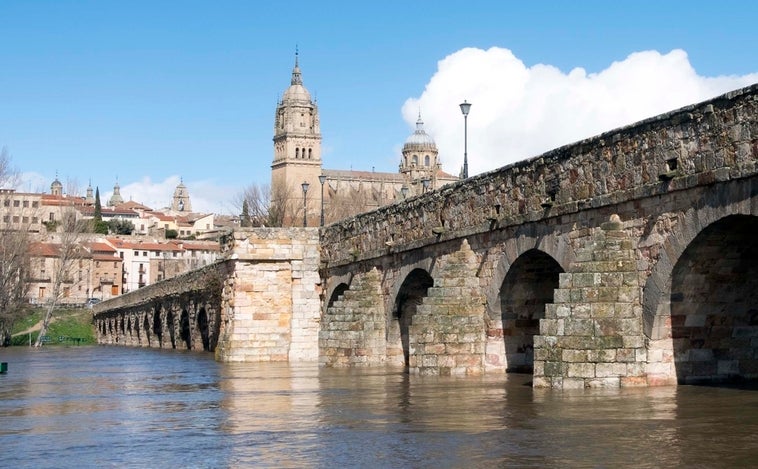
410,295
698,239
526,289
185,331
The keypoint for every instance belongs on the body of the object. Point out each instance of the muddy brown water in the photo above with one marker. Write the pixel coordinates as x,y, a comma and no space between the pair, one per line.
120,407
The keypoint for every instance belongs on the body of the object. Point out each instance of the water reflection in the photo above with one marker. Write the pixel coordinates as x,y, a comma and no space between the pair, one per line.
116,407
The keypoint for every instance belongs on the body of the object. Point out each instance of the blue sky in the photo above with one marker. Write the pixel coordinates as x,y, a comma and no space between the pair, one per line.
148,92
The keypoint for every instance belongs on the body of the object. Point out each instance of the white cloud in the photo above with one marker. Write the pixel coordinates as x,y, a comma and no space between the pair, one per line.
518,112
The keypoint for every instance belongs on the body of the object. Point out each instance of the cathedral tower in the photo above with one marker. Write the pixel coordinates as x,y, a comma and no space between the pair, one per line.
297,154
181,200
420,161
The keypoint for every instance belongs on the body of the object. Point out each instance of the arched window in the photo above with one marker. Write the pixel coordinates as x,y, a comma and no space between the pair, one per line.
310,153
415,160
297,153
426,160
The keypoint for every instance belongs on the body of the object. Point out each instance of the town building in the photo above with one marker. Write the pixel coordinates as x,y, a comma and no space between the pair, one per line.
298,178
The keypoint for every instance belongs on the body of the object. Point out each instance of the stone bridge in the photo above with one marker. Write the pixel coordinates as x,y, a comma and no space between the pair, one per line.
627,259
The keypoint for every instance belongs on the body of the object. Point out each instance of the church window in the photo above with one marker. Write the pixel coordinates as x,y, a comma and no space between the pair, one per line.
415,160
297,153
310,154
426,160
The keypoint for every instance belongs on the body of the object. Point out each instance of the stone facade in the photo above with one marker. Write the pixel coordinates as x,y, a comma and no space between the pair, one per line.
260,302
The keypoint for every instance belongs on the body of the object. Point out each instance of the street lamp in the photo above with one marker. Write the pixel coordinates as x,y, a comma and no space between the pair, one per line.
305,186
322,180
465,106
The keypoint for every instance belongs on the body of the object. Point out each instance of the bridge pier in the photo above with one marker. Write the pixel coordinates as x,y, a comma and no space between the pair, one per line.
592,333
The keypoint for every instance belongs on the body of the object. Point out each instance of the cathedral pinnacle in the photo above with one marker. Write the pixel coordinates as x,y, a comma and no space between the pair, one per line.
297,78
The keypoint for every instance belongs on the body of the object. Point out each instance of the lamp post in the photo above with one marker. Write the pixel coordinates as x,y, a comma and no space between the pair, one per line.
305,186
465,107
322,180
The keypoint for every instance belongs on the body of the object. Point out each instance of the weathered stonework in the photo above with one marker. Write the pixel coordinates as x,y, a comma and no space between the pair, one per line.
622,260
261,302
354,326
592,332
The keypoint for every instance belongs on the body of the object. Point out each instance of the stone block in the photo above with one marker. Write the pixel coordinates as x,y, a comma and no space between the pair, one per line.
580,370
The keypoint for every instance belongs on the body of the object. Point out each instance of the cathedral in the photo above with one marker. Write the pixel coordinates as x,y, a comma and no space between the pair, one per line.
298,179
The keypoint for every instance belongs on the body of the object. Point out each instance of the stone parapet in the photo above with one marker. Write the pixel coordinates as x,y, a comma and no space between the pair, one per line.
671,152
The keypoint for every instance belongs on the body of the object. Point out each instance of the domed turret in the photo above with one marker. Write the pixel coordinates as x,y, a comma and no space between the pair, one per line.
296,92
116,198
56,188
419,140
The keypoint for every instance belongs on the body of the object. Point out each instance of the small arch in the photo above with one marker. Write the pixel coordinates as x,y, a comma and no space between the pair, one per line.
310,153
202,325
297,152
527,288
185,333
338,291
411,294
157,325
171,328
426,160
146,327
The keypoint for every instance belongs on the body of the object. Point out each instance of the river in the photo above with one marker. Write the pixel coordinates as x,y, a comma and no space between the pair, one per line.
142,408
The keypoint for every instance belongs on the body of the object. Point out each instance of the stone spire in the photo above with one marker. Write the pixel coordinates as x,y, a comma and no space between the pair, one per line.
297,78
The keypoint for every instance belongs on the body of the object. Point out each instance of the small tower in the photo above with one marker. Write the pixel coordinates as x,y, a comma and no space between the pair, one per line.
420,160
297,152
116,198
56,188
90,199
181,201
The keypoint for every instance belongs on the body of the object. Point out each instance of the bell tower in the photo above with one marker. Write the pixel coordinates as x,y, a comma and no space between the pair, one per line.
297,154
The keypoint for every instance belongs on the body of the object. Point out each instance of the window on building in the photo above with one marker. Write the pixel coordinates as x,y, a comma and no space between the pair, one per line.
52,216
16,203
414,160
115,264
6,203
144,253
35,204
25,220
6,218
26,204
174,254
426,160
15,219
35,220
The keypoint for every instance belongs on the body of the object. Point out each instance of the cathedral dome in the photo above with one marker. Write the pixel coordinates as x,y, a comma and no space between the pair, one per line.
419,140
296,92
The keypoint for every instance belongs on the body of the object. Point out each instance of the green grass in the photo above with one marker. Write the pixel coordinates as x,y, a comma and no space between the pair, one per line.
67,325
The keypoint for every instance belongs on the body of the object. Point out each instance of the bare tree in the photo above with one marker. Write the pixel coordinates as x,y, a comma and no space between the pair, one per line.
261,206
14,252
69,251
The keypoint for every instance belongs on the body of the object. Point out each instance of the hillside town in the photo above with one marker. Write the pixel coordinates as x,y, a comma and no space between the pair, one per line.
138,246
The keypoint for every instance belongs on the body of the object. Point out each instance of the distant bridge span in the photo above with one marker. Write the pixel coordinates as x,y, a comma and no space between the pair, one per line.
625,259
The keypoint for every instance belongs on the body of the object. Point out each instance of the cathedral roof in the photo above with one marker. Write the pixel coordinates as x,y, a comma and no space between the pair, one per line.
419,140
